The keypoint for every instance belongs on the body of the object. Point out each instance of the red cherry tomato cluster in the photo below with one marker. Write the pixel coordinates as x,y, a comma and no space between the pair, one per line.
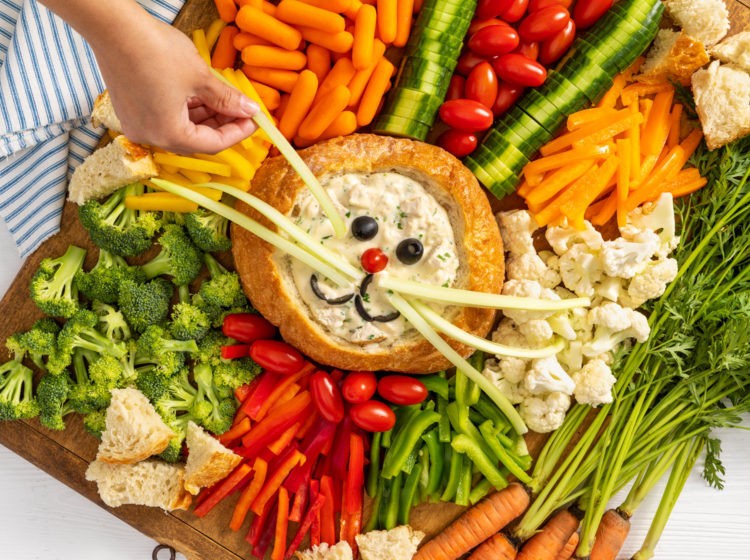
510,44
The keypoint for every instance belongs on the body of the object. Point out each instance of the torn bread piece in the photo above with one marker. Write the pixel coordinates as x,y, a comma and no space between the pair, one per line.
104,114
134,430
208,460
117,164
705,20
722,101
673,55
734,50
339,551
148,483
400,543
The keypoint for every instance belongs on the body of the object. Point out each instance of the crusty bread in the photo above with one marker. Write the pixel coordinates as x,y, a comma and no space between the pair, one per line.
117,164
705,20
673,55
400,543
148,483
734,50
722,101
208,460
134,429
340,551
267,282
104,113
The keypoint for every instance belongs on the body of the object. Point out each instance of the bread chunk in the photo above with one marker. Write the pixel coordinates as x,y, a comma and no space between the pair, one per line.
734,50
673,55
117,164
722,101
400,543
103,113
208,460
134,430
339,551
705,20
148,483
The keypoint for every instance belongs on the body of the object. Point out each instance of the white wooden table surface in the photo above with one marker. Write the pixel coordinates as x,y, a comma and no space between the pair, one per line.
42,519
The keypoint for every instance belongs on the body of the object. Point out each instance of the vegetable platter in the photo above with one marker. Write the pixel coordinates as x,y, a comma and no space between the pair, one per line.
65,454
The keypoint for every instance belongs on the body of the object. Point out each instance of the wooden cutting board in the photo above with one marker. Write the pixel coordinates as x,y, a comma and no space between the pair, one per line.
65,455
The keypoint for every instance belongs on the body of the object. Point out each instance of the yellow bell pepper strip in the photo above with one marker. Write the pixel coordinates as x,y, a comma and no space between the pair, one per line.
213,31
185,162
201,45
195,176
160,202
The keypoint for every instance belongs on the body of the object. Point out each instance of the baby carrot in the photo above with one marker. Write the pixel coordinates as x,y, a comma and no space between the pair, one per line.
340,75
570,547
364,36
338,6
279,79
497,547
343,125
387,14
268,27
610,535
300,101
335,42
242,40
548,543
299,13
273,57
283,104
404,10
324,112
213,30
224,53
353,9
359,81
373,95
318,61
269,96
227,10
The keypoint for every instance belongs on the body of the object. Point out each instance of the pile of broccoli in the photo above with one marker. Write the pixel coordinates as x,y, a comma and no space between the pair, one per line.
124,331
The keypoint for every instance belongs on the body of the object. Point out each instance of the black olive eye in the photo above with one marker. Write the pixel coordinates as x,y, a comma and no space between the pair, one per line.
364,228
409,251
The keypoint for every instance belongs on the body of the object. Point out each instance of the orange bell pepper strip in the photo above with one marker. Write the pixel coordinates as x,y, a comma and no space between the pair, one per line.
623,179
557,181
272,426
609,100
674,126
260,468
584,117
534,170
274,482
657,126
553,209
641,90
584,193
327,515
634,135
654,185
315,525
597,132
690,143
282,525
644,106
235,432
687,188
606,209
284,439
283,383
223,490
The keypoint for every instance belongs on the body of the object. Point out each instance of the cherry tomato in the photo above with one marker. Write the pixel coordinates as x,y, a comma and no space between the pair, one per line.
373,416
359,386
481,85
515,11
467,62
466,114
374,260
518,70
276,357
402,389
456,88
543,23
529,50
587,12
327,397
507,95
458,142
557,45
535,5
491,8
247,327
494,40
478,24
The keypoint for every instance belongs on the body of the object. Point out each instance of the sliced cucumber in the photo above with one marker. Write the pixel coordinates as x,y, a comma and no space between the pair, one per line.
562,94
542,110
499,182
399,126
533,132
428,38
504,150
448,62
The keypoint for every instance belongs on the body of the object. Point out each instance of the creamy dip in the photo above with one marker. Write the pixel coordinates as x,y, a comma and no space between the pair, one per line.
403,209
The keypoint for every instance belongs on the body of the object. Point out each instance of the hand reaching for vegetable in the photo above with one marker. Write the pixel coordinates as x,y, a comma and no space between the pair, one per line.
162,91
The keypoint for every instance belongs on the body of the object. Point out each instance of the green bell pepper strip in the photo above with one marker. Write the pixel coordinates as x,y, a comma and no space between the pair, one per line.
488,409
373,472
444,425
435,450
411,461
436,384
377,503
385,441
390,518
386,499
408,492
405,441
424,479
464,426
453,477
464,481
475,416
479,491
507,458
465,444
476,360
447,454
462,397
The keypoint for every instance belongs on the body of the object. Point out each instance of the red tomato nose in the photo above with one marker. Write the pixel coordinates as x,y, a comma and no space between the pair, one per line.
374,260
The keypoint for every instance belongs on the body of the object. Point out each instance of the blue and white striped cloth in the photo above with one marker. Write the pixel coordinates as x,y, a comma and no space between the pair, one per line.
49,80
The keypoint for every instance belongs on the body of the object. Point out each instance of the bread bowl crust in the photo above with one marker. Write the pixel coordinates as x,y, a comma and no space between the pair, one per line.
276,183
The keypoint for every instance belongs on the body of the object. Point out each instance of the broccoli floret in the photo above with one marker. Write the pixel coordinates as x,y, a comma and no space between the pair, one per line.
233,373
189,322
218,418
108,371
80,332
173,218
145,304
103,282
52,396
112,323
208,230
151,383
223,289
179,257
209,347
213,312
85,396
16,392
118,229
95,422
173,452
166,354
37,342
53,288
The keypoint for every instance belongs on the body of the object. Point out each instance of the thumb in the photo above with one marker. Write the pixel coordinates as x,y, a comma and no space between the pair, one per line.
227,100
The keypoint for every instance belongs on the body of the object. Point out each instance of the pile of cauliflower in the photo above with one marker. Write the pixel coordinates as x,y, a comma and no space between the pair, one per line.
618,275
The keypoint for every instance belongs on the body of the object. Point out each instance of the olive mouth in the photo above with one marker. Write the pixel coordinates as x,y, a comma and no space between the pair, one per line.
359,303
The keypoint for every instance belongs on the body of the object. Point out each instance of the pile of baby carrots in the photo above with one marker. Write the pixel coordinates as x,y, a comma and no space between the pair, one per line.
318,65
614,157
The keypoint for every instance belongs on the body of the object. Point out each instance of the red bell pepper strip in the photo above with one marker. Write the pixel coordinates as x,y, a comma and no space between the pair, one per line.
235,351
305,525
239,416
223,490
235,433
259,522
282,524
311,446
283,383
344,518
267,532
284,439
315,525
300,502
340,453
355,476
244,391
271,427
252,404
327,515
273,483
260,467
307,426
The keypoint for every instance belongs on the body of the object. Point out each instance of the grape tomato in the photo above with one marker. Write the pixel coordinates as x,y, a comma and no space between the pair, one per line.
481,85
359,386
467,62
247,327
515,11
478,24
402,389
456,88
518,70
326,397
494,40
543,23
529,50
458,142
373,416
507,95
587,12
553,48
491,8
466,114
276,356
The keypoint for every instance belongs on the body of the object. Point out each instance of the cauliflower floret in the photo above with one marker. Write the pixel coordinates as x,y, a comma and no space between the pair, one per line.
516,229
507,334
529,266
580,270
625,259
529,289
561,324
594,383
608,358
606,339
652,282
546,375
537,331
493,372
654,223
562,238
545,414
611,316
571,357
511,368
609,288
